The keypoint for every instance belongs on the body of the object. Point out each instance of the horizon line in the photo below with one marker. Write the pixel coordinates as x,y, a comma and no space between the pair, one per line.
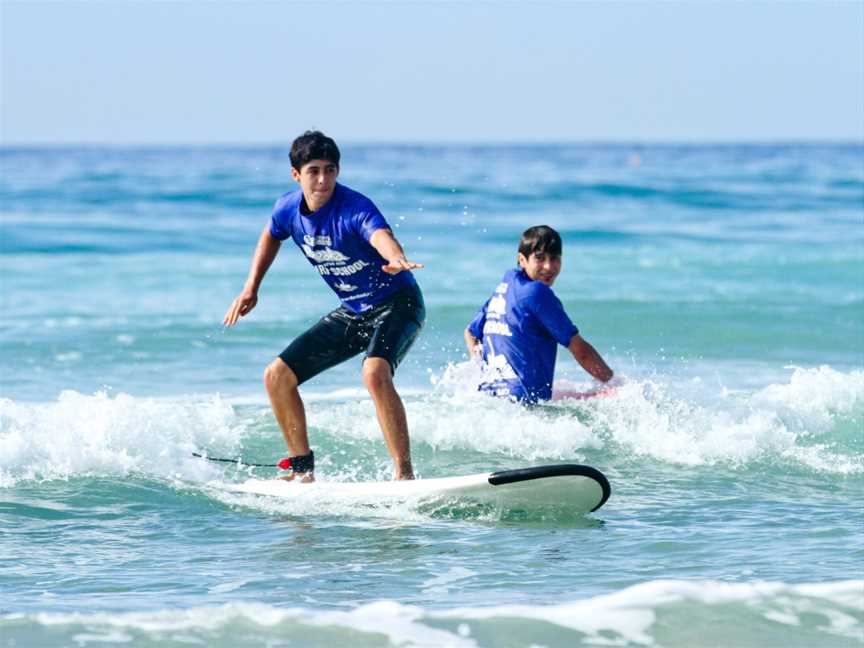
771,141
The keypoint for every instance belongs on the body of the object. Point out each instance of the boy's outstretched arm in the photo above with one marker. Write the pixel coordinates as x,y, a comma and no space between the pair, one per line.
587,356
389,248
265,252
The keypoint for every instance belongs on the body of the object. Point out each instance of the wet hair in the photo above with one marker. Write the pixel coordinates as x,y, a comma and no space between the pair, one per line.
540,238
313,145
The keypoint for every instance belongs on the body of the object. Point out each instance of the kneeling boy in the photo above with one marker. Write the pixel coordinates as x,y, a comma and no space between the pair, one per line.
516,330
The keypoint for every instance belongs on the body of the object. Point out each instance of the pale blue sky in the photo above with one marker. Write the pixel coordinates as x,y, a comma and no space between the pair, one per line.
252,72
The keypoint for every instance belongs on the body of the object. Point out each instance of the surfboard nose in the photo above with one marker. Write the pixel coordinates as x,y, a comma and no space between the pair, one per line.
580,481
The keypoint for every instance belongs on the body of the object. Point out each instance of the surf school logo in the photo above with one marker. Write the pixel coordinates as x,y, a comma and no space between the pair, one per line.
496,327
345,287
326,255
330,262
326,269
308,239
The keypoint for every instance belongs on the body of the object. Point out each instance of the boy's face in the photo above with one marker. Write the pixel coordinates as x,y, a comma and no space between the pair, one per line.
541,266
317,179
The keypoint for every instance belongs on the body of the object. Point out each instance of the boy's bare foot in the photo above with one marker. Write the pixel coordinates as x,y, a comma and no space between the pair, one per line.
303,478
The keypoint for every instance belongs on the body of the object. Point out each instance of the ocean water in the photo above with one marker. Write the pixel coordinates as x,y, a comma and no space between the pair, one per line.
724,284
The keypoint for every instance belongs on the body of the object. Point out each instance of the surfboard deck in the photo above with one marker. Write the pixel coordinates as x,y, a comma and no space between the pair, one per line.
574,487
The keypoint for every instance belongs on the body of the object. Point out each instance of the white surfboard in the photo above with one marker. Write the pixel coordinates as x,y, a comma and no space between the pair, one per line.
570,487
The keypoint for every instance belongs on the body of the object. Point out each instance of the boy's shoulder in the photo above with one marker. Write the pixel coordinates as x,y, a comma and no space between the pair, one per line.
288,201
524,287
352,200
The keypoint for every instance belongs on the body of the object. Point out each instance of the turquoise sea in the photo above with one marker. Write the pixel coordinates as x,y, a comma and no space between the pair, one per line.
724,284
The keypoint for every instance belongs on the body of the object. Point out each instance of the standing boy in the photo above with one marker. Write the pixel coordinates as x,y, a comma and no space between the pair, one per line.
516,330
347,240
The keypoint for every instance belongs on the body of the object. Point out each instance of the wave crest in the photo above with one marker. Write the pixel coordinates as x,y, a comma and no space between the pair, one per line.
670,613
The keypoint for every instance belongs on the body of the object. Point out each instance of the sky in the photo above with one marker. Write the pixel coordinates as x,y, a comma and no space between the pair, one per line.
252,72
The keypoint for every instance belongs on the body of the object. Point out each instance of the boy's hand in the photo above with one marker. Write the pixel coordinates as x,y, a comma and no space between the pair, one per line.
241,306
395,266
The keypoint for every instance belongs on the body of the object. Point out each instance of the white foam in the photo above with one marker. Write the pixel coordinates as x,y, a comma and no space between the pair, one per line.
693,424
809,421
398,622
467,421
456,415
98,434
631,612
813,397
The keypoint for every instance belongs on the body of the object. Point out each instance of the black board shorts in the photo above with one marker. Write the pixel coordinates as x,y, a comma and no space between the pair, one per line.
385,331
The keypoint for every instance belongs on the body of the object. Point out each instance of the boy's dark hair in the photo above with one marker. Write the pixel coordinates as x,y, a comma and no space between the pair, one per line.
540,238
313,145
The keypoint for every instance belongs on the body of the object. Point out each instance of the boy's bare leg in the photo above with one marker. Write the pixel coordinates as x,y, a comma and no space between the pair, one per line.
281,384
391,414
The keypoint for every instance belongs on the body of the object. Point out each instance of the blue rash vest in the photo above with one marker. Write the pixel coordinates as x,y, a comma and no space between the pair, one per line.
335,240
520,326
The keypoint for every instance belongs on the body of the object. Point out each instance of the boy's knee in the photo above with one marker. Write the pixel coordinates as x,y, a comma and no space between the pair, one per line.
278,376
377,374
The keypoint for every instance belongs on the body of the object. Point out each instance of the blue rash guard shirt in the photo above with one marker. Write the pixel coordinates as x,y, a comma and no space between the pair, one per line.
520,326
335,240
